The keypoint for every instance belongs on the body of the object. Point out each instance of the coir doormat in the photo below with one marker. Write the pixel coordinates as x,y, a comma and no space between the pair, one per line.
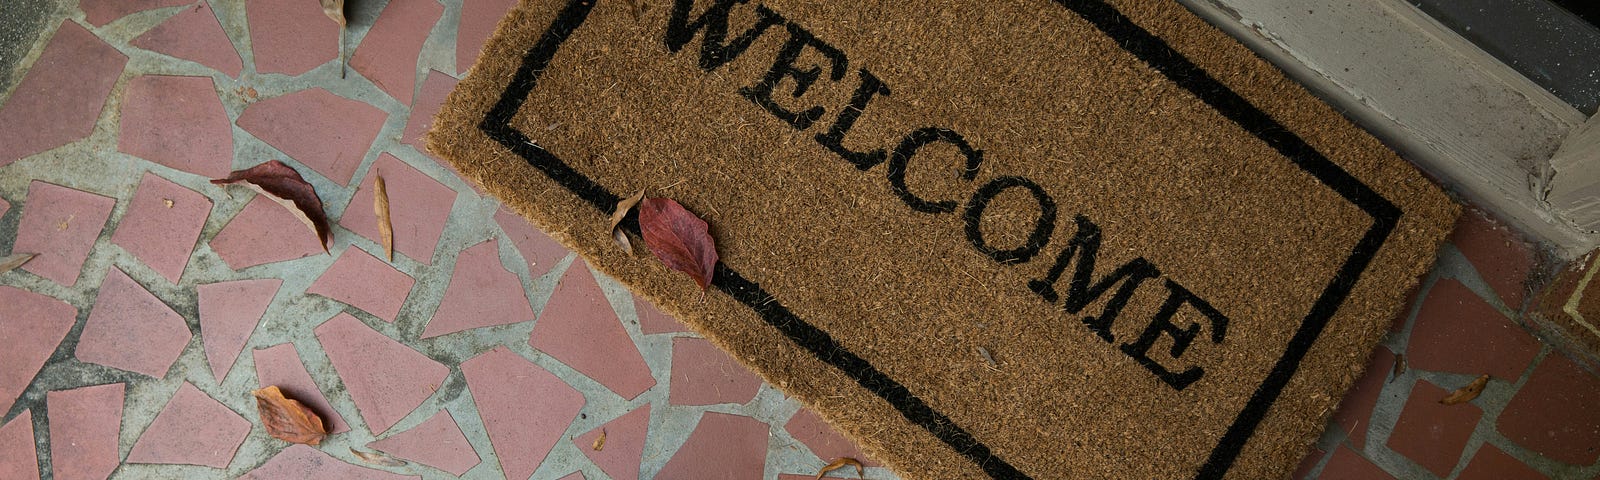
1066,240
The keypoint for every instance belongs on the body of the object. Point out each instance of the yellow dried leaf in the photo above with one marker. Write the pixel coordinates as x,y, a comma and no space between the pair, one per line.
1467,393
377,458
842,462
380,206
618,214
287,419
15,260
600,442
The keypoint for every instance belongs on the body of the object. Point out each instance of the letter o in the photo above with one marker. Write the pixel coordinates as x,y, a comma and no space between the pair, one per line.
1042,227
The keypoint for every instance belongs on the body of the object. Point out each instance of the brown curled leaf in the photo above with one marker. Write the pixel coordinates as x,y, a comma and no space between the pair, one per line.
600,441
287,419
284,185
1399,366
679,238
1467,393
839,463
334,9
15,260
378,458
618,214
380,206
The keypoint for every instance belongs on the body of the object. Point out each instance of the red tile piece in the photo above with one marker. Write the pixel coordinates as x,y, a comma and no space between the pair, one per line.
1355,412
539,250
329,133
300,461
288,38
478,21
1555,414
1492,464
579,328
482,293
363,281
526,409
83,431
31,326
721,446
229,312
574,476
388,54
1456,331
652,320
193,429
419,207
1347,465
264,232
280,365
436,442
434,91
825,442
386,380
18,460
1500,256
1310,461
158,234
101,12
60,225
177,122
4,206
194,35
62,94
1433,434
619,457
131,329
704,375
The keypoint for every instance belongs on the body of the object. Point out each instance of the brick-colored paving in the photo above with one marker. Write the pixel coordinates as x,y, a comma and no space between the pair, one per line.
483,349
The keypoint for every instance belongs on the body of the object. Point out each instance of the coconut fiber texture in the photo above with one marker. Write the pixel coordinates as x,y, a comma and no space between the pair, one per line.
1028,239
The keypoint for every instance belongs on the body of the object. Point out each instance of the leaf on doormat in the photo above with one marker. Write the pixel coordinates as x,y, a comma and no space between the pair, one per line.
380,206
283,184
1467,393
618,214
842,462
679,238
334,9
287,419
377,458
15,260
600,441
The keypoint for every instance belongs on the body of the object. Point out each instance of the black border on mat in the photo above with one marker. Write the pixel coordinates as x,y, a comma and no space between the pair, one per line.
1150,49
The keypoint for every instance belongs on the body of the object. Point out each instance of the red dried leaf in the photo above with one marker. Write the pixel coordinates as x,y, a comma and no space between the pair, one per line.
284,185
1467,393
679,238
287,419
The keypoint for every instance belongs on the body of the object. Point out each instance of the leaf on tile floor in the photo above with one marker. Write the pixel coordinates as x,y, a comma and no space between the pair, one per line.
287,419
679,238
600,441
380,206
15,260
378,458
1467,393
284,185
617,215
1399,366
842,462
334,9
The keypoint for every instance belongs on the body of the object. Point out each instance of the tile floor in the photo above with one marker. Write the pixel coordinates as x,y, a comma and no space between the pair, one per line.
158,301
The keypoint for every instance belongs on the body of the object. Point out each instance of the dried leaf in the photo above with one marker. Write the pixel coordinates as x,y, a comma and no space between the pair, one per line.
380,206
1467,393
287,419
283,184
334,9
679,238
167,202
842,462
1399,366
618,214
377,458
15,260
600,442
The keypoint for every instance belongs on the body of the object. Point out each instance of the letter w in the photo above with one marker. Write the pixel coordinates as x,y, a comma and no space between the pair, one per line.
1085,246
715,50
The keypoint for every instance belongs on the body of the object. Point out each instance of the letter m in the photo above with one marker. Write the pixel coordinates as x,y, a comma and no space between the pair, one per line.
1082,289
715,50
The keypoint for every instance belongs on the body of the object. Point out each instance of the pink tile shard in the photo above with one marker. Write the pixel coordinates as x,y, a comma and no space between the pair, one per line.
62,94
101,12
434,91
363,281
300,461
288,38
329,133
824,441
388,54
194,35
436,442
31,325
280,365
482,293
1457,331
419,208
653,321
18,459
526,409
704,375
579,328
478,20
60,225
193,429
721,446
539,250
4,206
83,430
229,312
623,450
386,380
178,122
162,224
131,329
264,232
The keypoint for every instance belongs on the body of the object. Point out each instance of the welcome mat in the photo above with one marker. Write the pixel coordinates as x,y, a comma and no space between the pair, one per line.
1072,239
